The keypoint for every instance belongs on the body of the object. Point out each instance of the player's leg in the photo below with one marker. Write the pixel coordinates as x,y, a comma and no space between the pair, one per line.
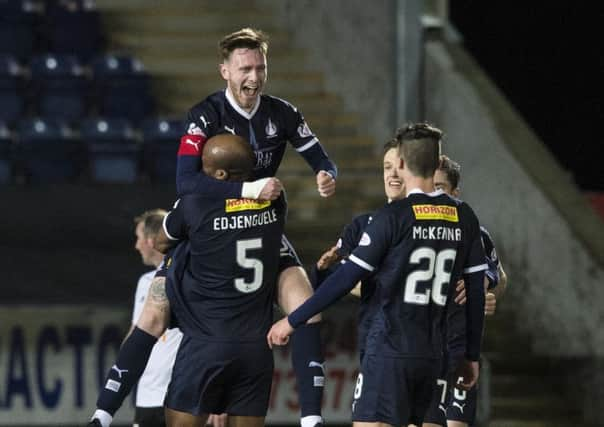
239,421
307,354
184,419
134,353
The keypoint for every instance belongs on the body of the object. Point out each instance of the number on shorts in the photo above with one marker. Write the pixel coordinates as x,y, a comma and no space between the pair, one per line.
358,388
436,271
251,263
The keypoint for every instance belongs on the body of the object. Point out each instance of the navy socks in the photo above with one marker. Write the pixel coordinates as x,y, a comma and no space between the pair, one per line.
128,368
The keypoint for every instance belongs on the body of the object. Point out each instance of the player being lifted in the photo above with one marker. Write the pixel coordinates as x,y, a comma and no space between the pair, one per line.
414,249
267,123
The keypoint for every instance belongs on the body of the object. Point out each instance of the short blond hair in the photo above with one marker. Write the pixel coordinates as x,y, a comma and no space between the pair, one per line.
249,38
152,221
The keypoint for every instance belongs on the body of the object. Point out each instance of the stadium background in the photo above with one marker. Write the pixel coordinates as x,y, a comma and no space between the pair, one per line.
356,72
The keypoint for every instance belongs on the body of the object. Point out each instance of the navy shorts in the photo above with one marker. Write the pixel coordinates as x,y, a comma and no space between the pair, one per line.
461,404
221,377
450,403
395,391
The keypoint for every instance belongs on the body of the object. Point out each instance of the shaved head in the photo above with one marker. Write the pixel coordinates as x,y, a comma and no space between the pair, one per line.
228,157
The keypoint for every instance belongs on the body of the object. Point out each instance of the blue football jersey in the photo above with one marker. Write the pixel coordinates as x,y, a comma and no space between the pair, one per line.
226,291
268,128
418,247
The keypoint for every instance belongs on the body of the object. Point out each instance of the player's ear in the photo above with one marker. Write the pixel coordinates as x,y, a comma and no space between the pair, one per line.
224,70
456,192
221,174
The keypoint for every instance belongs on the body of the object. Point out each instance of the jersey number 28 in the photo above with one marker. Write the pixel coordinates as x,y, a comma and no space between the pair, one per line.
438,271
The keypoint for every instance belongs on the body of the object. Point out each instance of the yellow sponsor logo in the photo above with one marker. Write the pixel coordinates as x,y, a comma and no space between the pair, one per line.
237,205
438,212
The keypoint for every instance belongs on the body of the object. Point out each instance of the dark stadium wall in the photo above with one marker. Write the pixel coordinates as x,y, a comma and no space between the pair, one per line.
73,243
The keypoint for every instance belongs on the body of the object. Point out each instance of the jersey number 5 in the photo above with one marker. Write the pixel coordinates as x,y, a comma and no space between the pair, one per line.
438,271
252,263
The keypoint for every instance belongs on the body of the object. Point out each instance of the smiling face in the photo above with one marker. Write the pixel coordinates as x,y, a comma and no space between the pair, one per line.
393,181
245,72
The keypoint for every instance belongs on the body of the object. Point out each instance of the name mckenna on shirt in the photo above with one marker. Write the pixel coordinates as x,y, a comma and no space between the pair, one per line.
436,233
245,221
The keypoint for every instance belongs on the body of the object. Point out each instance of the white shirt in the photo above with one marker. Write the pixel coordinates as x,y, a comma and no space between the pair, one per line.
153,384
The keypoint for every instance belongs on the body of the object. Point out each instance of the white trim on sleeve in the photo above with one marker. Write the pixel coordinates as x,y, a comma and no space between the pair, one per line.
307,145
360,263
475,268
166,228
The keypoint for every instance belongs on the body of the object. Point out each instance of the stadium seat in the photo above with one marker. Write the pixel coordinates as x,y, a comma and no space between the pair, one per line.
113,150
11,89
60,87
73,27
122,87
48,150
18,22
160,144
6,163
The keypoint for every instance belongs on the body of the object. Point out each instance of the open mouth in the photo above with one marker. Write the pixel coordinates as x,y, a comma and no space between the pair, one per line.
395,184
250,90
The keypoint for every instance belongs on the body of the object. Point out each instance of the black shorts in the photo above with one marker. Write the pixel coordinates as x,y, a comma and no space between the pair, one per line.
287,255
395,391
221,377
461,404
149,417
450,403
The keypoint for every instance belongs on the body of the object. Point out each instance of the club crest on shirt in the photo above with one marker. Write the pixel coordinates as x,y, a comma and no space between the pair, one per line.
270,129
195,130
304,131
365,240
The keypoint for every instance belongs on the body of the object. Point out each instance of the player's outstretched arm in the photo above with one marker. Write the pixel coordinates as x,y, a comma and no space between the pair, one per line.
334,288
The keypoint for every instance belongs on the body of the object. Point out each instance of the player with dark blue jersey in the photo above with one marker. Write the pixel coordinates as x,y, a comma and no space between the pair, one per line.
268,123
415,249
269,126
223,301
451,406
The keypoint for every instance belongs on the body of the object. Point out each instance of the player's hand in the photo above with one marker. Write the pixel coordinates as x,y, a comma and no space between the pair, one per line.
460,296
326,185
467,374
490,300
271,190
329,258
215,420
279,333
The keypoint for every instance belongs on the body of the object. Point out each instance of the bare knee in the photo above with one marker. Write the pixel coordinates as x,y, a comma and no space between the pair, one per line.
293,289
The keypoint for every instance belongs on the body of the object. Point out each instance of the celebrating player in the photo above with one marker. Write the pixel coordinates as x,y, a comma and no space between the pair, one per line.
414,248
267,123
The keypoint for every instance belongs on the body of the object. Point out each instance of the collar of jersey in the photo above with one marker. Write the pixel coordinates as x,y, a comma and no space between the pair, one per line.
236,107
431,194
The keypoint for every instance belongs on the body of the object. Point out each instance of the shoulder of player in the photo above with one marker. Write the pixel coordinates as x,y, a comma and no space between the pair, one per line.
278,103
207,111
361,220
145,280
